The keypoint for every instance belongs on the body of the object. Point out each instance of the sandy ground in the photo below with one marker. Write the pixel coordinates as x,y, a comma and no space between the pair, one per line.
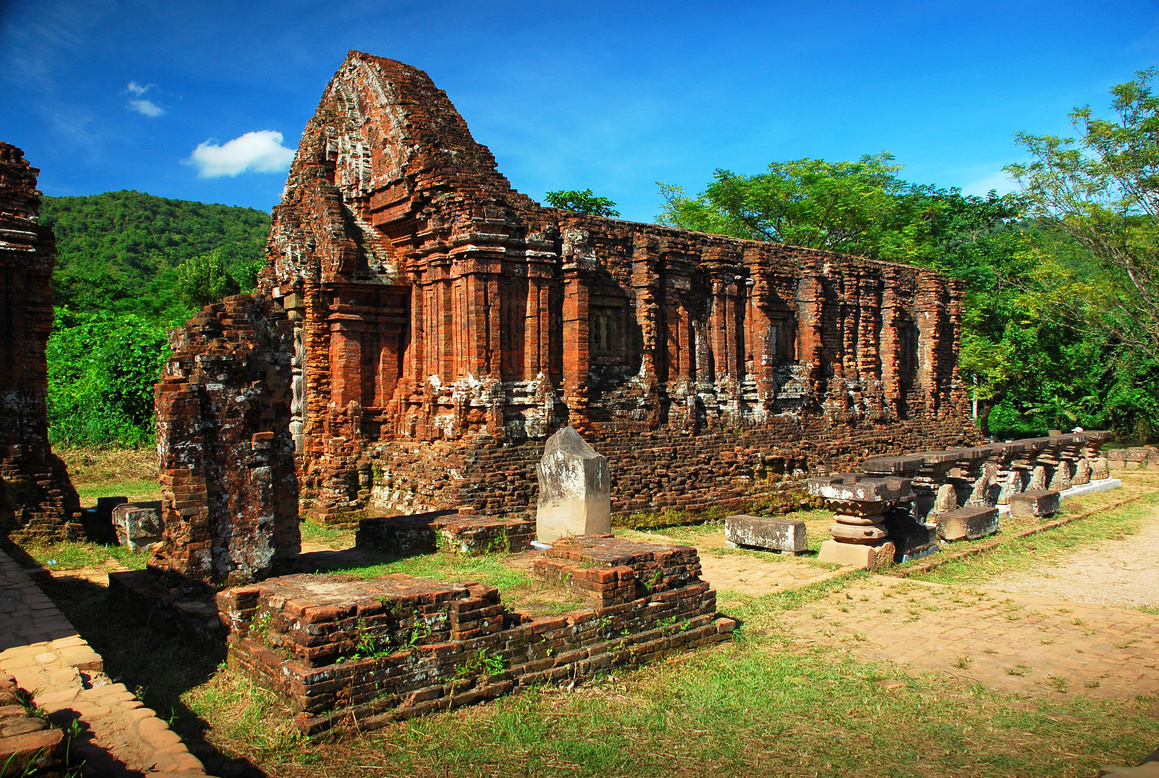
1115,572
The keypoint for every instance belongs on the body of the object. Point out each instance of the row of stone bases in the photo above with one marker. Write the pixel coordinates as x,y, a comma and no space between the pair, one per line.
897,508
349,651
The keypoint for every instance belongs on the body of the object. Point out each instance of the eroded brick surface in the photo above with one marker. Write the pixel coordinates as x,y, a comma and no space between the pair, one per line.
229,493
433,304
36,497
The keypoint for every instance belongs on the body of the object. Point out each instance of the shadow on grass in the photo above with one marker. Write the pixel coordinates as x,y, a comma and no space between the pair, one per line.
158,669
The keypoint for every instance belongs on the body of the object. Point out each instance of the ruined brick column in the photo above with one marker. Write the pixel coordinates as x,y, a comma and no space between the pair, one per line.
36,497
229,494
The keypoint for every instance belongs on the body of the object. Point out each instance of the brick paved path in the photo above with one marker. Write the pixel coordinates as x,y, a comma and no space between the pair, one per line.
49,659
1012,642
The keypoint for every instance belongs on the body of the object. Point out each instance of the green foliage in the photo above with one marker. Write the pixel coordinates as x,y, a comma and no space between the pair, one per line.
203,280
101,372
120,252
1102,190
582,202
128,266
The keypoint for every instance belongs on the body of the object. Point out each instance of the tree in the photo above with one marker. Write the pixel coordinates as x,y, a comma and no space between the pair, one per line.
203,280
851,207
582,202
1102,190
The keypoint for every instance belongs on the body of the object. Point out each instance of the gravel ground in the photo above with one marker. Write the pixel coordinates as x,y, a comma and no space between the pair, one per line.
1114,572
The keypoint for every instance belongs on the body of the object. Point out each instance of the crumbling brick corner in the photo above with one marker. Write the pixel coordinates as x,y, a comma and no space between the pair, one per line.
37,500
229,491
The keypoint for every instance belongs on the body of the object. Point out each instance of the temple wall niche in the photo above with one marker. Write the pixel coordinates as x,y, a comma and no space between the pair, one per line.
434,304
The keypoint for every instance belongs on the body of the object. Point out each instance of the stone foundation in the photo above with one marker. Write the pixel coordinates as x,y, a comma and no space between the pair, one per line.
454,531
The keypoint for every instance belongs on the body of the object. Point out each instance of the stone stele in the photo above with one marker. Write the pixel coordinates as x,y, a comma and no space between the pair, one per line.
575,489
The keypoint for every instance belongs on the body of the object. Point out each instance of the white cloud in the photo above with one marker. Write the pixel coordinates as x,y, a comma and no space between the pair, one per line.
137,89
146,107
261,152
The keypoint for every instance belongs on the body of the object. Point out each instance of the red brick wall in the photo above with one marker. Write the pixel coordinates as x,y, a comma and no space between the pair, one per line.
36,497
435,303
229,492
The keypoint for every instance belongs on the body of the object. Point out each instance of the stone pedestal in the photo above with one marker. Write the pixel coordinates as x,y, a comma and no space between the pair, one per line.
575,489
968,523
859,505
137,526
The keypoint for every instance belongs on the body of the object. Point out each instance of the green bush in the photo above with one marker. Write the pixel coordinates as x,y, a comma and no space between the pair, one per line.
101,372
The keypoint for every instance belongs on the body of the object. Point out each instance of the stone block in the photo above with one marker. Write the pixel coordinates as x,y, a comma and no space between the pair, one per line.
857,488
899,466
1038,502
856,555
137,526
574,489
968,523
912,539
767,533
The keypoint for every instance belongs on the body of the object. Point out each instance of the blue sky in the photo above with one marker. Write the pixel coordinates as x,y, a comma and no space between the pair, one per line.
611,96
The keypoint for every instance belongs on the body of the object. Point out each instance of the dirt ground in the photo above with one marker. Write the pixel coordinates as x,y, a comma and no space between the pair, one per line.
1115,572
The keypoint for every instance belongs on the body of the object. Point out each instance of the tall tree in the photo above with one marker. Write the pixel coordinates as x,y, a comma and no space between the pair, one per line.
1101,189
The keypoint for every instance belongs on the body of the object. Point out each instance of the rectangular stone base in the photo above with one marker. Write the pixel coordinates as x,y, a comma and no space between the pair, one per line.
969,523
1090,487
857,555
767,533
446,530
1035,502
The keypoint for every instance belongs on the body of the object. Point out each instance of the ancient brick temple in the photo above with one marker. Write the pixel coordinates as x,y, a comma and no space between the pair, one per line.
36,497
445,325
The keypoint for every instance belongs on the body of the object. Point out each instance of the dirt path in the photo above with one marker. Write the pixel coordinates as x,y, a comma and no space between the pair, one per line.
1012,642
1115,572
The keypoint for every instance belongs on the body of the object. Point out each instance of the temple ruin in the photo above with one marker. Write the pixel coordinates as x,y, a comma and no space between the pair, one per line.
445,325
37,500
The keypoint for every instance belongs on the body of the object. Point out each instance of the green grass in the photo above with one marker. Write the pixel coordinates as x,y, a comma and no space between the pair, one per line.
68,555
518,589
112,472
326,534
1017,554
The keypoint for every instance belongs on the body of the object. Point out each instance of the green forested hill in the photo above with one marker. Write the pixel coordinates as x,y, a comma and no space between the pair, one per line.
129,266
119,252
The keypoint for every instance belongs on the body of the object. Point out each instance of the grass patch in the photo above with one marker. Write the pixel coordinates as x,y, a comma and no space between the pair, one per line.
112,472
68,555
1017,554
331,535
519,589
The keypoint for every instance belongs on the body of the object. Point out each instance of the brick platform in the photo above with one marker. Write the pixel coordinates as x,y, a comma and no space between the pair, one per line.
348,652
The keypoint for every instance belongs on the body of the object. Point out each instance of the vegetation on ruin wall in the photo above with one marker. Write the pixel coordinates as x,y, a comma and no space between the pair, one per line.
129,266
1061,316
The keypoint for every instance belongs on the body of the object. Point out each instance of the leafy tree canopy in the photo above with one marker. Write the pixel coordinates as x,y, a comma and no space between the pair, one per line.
129,265
582,202
121,252
1101,189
